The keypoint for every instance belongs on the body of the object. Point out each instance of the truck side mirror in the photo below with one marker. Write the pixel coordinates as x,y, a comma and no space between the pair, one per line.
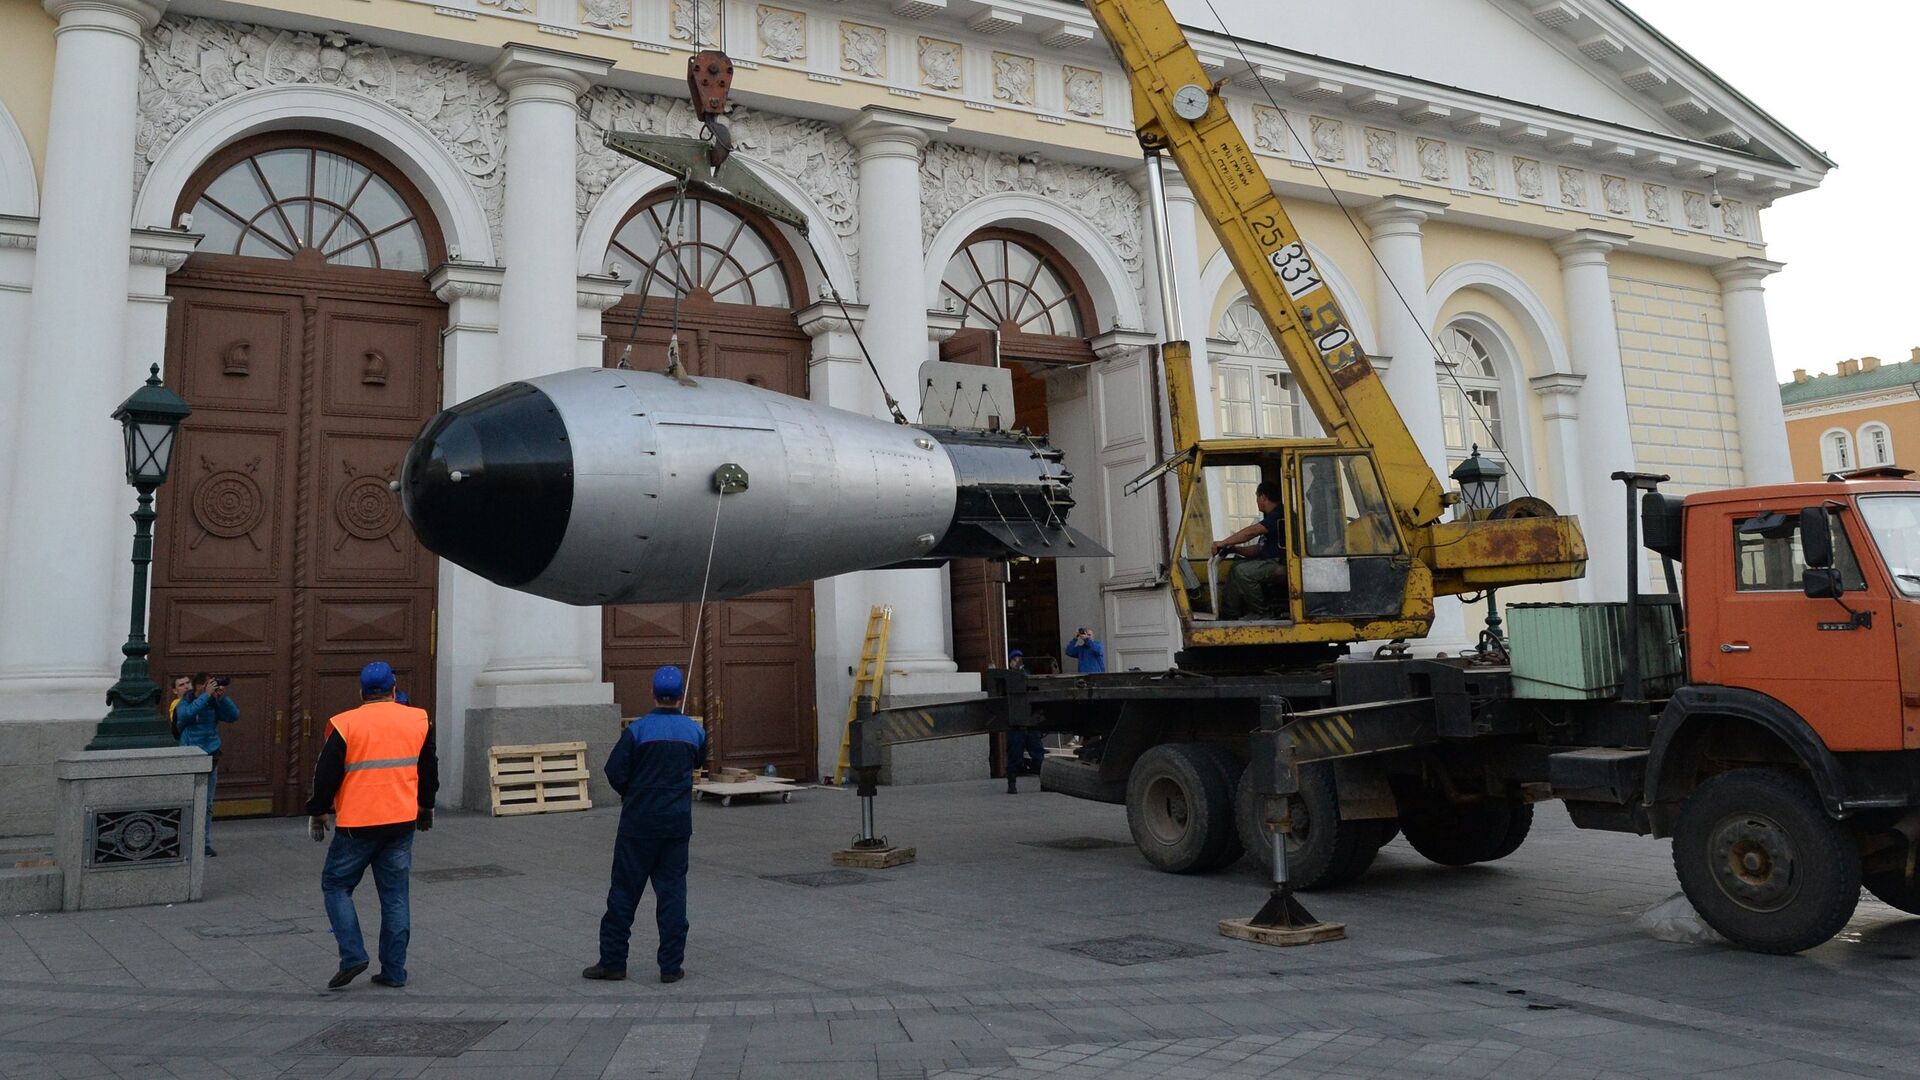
1816,538
1821,582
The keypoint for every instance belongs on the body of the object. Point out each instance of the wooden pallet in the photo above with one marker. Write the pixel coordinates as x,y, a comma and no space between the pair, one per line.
730,784
540,778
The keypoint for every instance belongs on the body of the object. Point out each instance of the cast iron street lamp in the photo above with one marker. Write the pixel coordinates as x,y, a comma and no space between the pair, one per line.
148,421
1479,479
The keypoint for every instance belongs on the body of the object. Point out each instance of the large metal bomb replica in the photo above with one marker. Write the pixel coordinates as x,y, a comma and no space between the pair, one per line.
609,486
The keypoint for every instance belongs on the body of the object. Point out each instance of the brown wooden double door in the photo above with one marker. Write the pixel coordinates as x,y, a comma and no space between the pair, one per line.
753,679
282,558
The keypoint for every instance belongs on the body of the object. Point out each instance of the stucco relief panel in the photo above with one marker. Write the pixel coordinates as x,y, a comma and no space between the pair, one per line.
189,65
812,154
954,176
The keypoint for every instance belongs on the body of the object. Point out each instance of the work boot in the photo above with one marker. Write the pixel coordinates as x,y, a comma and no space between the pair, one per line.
672,976
346,975
606,974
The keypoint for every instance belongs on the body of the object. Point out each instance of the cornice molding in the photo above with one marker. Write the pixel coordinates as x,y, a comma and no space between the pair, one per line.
1847,403
452,281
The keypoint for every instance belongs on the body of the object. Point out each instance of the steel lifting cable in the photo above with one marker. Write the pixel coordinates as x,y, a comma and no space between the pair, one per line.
833,293
667,247
1367,242
706,579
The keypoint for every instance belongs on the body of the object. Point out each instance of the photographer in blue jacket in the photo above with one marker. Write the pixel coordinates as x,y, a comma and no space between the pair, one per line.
198,717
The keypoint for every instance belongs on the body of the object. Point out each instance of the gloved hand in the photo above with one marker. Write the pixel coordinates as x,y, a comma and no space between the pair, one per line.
424,822
317,827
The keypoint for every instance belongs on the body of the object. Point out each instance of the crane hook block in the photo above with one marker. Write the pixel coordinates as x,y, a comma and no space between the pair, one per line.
709,76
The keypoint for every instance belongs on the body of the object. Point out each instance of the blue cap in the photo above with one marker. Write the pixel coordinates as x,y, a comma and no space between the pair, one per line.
1011,653
669,683
376,678
400,696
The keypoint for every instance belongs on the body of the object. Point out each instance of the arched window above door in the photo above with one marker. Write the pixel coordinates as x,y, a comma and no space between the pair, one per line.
1005,281
1471,413
290,200
707,250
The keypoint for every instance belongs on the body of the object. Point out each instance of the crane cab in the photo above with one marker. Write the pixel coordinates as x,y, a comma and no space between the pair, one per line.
1345,570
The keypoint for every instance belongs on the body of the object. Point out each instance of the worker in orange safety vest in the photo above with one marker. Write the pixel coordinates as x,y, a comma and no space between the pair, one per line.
378,774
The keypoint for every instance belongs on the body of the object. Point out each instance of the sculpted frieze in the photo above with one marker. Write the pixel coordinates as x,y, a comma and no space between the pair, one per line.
954,176
188,65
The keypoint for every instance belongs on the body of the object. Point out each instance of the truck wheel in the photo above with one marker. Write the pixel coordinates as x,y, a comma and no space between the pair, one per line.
1895,891
1230,770
1323,850
1454,834
1762,862
1080,779
1180,808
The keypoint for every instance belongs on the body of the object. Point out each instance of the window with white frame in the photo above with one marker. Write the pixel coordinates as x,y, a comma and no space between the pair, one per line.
1471,413
1253,393
1876,444
1836,451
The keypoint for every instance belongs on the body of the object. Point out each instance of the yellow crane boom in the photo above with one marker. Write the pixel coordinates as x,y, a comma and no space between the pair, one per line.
1354,574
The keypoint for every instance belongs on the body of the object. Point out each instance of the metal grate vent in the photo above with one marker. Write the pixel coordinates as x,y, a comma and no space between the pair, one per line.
398,1038
821,880
1077,843
465,873
1136,949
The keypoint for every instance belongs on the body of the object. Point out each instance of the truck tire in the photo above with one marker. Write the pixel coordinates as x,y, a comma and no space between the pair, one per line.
1762,862
1461,834
1180,809
1323,850
1230,768
1080,779
1895,891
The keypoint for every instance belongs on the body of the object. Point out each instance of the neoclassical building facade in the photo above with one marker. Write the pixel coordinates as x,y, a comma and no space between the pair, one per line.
326,219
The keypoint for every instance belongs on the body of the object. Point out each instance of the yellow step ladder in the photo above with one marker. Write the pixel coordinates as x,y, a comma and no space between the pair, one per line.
866,680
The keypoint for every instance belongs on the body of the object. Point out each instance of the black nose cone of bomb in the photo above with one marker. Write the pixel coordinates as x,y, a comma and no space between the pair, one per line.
489,484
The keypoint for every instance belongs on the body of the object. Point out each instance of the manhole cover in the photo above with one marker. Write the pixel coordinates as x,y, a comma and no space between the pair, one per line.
1126,951
1076,843
821,880
255,929
398,1038
465,873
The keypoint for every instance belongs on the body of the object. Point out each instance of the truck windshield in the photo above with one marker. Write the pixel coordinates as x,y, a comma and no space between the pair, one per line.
1894,521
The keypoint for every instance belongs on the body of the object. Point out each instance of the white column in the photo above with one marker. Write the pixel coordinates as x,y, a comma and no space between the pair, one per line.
60,622
1411,374
1606,430
1183,222
539,642
893,287
1756,388
1559,396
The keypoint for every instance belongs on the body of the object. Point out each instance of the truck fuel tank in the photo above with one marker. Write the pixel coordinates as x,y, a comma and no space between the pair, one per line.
605,486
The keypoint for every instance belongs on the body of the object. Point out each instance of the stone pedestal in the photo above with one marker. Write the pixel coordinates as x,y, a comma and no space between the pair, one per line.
519,715
130,823
941,760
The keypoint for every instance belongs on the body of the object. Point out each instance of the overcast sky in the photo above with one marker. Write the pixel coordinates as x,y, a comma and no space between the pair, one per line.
1842,75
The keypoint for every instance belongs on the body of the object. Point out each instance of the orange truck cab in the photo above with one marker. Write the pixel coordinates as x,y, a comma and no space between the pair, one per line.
1787,767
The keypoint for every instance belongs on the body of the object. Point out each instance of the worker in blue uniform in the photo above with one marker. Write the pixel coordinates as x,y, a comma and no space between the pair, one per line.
652,769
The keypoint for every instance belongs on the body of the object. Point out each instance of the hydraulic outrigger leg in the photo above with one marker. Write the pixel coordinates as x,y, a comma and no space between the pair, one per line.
1283,919
869,851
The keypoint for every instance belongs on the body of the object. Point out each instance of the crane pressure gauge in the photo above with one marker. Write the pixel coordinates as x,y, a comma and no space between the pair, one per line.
1190,102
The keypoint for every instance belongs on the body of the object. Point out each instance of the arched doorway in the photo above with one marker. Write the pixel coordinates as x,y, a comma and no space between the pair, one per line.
1022,307
303,333
723,275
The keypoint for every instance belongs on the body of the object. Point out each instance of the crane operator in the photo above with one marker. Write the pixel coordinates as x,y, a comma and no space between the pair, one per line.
1257,583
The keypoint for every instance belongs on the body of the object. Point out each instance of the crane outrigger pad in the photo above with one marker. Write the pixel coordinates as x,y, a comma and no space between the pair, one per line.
690,160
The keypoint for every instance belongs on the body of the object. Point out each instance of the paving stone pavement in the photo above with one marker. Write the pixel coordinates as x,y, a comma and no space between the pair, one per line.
947,968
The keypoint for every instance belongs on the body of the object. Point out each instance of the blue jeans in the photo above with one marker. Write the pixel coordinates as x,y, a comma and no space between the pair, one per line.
637,861
391,859
213,776
1026,749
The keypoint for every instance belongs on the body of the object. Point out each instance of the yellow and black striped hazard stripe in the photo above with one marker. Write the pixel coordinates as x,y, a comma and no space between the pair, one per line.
911,725
1330,736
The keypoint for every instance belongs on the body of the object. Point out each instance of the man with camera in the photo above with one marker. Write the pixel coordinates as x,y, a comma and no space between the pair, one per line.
197,716
1088,651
